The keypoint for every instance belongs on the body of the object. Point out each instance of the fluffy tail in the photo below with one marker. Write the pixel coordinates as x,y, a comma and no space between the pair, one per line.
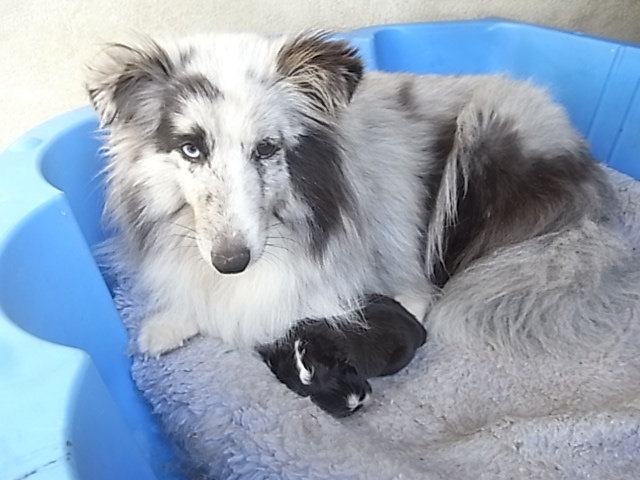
517,239
502,184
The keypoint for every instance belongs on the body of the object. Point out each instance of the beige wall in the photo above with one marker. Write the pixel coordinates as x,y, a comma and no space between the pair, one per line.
44,44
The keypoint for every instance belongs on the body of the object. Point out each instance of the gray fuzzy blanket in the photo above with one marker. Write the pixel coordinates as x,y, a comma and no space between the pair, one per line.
452,414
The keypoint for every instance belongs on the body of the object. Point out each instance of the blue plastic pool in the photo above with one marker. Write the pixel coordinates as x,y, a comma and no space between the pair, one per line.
68,407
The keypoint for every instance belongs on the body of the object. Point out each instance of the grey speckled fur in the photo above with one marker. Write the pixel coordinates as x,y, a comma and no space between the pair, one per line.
457,412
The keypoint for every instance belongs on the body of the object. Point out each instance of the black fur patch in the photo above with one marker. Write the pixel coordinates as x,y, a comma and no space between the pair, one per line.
316,172
171,95
165,132
167,139
175,92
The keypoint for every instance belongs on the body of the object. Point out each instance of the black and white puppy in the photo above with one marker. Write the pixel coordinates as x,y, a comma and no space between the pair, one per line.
331,364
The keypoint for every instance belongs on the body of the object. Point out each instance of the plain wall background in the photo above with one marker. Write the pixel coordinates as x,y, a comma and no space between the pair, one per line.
45,44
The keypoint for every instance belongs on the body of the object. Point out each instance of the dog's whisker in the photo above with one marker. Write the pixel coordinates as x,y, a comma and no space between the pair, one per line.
281,247
273,259
183,235
184,226
288,239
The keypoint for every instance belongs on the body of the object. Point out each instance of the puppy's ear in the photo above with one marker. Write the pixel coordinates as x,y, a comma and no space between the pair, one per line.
125,83
326,71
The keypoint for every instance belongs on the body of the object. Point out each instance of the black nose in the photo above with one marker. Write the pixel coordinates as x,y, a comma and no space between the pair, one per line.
232,260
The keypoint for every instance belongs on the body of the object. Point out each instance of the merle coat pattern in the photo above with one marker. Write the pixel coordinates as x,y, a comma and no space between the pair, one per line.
254,182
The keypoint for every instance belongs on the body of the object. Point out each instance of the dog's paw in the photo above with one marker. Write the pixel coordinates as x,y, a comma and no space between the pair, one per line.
162,333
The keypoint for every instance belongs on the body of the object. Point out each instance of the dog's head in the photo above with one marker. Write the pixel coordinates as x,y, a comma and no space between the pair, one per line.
236,129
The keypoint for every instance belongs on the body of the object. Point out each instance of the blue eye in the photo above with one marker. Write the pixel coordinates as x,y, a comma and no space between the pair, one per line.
190,151
266,149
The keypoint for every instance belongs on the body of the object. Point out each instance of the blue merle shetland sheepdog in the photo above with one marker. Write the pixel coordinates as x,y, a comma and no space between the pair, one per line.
255,182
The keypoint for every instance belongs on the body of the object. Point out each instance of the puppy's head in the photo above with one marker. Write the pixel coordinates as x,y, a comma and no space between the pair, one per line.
340,390
226,128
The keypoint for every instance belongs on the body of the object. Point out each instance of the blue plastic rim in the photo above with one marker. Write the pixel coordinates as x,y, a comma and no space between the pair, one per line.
68,407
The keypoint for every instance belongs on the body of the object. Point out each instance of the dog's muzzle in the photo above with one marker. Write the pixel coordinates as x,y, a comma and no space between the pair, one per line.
230,260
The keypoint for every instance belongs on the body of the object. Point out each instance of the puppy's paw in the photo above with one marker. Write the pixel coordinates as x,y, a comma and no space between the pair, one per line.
162,333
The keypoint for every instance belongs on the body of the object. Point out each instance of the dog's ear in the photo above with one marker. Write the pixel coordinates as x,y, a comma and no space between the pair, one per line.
126,82
326,71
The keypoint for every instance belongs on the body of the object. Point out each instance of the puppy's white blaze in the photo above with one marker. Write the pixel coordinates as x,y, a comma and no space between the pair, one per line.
305,374
353,401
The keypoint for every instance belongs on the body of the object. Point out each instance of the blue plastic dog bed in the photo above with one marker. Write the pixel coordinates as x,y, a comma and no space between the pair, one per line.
68,406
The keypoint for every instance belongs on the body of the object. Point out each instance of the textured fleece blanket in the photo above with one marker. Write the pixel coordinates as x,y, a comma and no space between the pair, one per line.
452,414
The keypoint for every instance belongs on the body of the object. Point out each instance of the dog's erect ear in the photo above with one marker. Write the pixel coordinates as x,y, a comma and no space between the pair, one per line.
326,71
126,82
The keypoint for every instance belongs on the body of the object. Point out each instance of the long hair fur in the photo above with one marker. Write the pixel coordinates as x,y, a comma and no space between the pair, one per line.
254,182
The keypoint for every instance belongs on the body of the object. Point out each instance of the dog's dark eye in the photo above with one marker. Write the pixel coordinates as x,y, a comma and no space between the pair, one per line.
266,149
190,151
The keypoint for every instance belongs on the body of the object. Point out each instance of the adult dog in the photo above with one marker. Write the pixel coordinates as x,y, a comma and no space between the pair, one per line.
257,181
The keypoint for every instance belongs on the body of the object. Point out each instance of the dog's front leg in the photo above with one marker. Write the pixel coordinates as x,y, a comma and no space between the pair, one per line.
165,331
